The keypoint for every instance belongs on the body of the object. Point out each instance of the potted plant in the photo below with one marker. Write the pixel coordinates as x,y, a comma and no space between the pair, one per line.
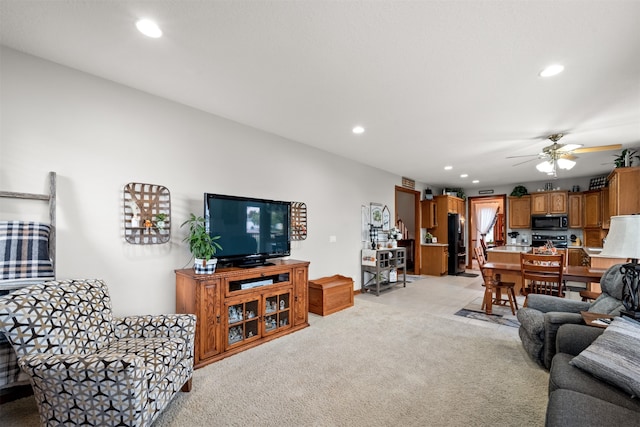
201,245
625,158
428,238
160,220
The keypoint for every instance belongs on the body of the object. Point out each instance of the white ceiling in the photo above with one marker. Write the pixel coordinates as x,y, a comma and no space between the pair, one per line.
433,82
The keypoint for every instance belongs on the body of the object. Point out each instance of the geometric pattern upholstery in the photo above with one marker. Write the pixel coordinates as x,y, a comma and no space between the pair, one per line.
87,367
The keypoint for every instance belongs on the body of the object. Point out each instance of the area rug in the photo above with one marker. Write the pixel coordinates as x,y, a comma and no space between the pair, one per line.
501,314
468,274
412,277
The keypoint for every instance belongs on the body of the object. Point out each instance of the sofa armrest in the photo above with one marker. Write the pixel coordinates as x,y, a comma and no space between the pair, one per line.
547,303
156,326
552,322
58,378
573,339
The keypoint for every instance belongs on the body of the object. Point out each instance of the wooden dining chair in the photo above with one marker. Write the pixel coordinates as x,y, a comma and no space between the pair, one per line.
542,274
495,288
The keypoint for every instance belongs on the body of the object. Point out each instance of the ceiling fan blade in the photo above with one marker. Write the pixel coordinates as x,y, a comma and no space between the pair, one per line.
526,155
569,147
598,148
568,156
522,163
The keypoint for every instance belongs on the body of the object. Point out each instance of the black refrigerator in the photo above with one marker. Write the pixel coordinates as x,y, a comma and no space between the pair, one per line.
457,255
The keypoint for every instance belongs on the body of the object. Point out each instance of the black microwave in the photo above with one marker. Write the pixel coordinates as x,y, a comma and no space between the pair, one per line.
549,222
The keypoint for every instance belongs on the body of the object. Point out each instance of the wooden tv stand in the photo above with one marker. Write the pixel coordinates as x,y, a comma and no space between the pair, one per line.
239,308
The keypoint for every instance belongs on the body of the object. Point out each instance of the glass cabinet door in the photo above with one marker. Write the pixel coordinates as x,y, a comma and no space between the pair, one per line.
242,323
277,312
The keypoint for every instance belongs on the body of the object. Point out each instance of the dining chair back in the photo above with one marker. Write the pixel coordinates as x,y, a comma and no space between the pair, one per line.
482,259
495,288
542,274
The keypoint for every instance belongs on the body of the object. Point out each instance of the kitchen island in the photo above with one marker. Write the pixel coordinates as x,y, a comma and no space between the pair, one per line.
509,254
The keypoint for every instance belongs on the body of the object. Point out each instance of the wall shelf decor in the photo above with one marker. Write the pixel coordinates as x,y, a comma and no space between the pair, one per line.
298,221
147,214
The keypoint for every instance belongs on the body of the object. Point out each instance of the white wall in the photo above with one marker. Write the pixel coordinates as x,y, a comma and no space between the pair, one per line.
98,136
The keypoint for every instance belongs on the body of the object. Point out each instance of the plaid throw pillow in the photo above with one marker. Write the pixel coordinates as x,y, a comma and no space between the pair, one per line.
24,251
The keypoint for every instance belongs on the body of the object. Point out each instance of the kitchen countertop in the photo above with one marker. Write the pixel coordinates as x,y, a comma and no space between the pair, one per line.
434,244
510,249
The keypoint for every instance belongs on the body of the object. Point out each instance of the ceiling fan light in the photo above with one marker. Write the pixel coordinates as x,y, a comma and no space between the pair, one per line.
566,164
545,166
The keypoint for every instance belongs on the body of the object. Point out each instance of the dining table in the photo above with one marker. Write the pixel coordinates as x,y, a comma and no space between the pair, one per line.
511,272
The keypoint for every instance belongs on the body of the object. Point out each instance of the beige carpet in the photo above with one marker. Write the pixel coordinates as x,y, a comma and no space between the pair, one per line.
370,365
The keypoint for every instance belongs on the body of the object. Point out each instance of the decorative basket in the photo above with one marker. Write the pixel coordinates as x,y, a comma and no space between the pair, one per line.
205,267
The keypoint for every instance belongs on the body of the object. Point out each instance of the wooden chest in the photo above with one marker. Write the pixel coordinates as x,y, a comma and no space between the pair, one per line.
330,294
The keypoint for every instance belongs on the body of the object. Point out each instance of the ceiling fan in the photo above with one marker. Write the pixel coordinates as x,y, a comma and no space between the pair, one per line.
562,156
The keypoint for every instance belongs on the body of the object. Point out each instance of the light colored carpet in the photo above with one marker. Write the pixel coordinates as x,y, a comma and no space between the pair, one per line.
370,365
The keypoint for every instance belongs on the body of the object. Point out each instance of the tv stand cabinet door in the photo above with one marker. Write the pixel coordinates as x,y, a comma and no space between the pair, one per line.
209,320
300,296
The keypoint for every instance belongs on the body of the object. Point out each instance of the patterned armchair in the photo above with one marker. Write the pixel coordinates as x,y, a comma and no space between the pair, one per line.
87,367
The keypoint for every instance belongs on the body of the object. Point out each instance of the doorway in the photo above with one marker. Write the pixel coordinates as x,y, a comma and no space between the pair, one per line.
495,225
408,218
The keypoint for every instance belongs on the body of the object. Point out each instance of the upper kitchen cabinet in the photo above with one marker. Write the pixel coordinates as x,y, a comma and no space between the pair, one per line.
624,191
593,209
519,212
576,203
549,202
429,210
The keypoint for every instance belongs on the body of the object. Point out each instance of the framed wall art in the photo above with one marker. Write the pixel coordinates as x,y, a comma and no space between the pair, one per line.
376,214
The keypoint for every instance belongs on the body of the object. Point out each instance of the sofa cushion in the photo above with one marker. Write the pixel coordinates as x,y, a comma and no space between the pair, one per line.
61,317
606,304
568,408
160,355
615,355
532,320
565,376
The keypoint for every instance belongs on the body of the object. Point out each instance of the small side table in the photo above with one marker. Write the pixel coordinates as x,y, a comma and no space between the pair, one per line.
590,317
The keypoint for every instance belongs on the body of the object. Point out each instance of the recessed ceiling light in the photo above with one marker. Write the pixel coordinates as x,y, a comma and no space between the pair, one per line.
448,168
475,181
552,70
149,28
358,130
464,175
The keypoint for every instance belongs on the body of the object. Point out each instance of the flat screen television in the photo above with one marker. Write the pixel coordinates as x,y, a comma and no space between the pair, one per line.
251,230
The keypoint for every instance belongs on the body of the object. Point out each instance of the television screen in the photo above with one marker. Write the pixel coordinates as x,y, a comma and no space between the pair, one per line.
251,230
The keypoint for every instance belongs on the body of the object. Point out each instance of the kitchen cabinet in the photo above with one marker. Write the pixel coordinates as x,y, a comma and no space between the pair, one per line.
604,208
549,202
519,212
444,206
593,209
624,185
593,237
576,203
435,259
577,256
429,209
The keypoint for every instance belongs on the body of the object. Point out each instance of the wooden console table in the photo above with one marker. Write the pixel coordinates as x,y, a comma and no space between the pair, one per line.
240,308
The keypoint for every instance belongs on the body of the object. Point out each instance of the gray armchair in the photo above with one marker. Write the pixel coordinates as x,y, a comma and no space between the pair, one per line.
544,314
89,368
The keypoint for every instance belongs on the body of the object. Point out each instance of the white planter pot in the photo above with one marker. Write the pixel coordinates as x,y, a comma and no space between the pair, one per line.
205,267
